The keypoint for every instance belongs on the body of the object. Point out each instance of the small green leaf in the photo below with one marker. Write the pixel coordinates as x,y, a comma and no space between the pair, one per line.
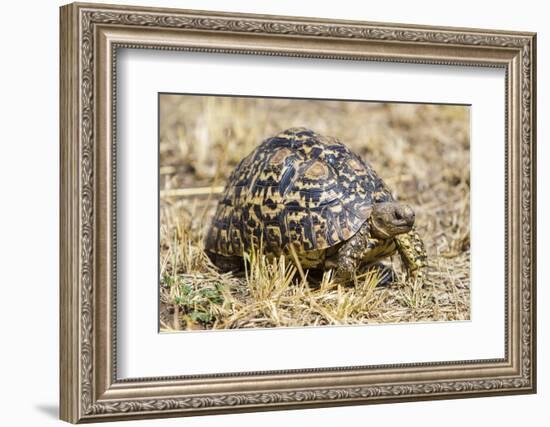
199,316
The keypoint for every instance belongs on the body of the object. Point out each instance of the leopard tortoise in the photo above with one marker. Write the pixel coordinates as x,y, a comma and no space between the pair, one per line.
303,194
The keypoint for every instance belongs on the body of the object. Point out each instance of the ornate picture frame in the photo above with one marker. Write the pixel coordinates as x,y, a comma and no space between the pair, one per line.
91,34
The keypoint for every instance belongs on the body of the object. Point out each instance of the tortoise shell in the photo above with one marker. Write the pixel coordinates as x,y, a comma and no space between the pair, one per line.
298,188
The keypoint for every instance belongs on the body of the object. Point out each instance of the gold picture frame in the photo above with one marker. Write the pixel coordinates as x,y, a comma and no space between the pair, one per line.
90,36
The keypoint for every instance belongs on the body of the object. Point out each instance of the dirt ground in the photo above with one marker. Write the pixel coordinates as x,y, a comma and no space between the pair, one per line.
420,150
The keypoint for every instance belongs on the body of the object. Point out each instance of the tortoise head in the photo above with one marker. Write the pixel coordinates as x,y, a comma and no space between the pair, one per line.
389,219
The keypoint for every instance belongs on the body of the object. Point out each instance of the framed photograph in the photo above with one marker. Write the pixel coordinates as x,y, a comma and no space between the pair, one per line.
267,212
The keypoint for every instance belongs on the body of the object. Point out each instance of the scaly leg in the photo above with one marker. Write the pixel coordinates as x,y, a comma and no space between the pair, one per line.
352,253
411,248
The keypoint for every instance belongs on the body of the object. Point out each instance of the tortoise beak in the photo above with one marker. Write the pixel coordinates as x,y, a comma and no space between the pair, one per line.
404,216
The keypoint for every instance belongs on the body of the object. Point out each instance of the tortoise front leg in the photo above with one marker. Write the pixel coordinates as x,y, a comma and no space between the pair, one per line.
411,248
352,253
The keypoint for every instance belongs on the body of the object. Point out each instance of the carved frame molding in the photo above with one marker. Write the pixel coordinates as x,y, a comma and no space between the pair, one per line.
90,37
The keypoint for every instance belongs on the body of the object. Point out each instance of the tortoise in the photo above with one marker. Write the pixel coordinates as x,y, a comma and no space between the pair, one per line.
305,195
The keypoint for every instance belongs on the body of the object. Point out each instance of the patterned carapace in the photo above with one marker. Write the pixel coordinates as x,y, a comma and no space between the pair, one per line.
297,188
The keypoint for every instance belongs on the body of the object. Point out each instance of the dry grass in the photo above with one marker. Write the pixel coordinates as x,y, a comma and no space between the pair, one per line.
421,151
